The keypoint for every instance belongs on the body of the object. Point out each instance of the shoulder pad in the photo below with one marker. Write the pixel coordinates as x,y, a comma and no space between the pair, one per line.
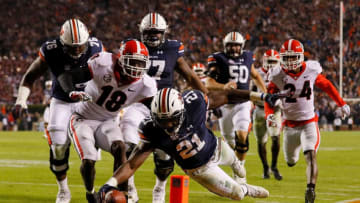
314,66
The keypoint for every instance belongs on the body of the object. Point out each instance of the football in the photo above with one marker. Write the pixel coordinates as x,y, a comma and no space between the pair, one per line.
115,196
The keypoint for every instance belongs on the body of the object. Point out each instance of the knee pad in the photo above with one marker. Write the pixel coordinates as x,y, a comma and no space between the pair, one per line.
163,168
59,158
130,148
241,147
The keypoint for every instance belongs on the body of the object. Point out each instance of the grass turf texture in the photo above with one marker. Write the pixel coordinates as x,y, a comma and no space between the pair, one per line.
25,174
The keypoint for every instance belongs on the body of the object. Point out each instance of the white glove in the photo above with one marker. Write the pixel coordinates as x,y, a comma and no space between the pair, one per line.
345,111
80,96
271,121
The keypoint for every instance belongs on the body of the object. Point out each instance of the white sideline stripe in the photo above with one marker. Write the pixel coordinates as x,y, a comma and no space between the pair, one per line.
338,149
349,201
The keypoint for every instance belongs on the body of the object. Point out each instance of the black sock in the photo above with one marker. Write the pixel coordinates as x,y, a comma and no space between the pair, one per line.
311,185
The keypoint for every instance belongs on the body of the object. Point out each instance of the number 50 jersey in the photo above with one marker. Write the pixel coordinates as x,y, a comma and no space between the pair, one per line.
194,144
108,97
228,69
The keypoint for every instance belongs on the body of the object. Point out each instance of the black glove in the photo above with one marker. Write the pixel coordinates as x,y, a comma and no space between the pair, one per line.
271,99
103,190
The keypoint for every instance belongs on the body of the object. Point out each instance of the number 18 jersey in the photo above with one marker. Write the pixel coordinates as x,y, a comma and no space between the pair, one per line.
108,97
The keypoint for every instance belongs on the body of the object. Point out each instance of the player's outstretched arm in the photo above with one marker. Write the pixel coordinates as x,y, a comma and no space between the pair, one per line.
218,98
189,75
137,158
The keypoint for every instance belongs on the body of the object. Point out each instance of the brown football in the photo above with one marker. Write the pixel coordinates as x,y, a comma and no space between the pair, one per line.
115,196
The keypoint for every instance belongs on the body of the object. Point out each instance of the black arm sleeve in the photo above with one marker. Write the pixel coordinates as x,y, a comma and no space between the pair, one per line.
66,80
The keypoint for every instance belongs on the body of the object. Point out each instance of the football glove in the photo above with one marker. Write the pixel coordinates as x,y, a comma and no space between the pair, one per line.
271,121
271,99
80,96
103,190
345,111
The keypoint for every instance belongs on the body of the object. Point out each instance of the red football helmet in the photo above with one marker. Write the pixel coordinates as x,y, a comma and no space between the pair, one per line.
291,54
271,59
134,58
199,69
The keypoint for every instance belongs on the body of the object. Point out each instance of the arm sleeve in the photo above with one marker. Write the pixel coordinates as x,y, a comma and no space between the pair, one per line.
272,88
326,86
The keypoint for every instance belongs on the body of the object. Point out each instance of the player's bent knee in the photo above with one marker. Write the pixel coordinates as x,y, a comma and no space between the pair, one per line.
163,173
87,163
117,148
59,158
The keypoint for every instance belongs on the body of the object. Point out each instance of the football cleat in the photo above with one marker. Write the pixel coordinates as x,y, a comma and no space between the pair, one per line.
309,195
239,180
239,169
92,198
276,174
266,174
158,195
63,196
132,194
256,191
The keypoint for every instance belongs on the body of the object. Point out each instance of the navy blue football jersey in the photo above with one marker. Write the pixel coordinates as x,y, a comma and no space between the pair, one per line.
163,62
229,69
194,144
59,62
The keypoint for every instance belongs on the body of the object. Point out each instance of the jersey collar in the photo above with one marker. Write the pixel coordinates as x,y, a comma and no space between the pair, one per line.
296,75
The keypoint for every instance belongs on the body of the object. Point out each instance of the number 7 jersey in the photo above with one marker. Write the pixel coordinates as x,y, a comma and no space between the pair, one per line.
299,106
107,96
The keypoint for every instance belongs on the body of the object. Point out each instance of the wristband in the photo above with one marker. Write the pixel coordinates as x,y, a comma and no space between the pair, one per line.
23,94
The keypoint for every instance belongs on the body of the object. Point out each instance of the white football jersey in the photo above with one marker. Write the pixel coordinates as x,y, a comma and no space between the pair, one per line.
300,105
107,97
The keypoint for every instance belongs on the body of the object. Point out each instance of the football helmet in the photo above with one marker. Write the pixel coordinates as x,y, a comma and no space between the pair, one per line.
152,29
167,110
231,39
74,37
134,59
291,54
199,69
271,59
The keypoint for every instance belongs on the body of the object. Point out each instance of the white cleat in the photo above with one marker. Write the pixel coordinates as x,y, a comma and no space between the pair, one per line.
239,169
158,195
256,191
132,195
63,196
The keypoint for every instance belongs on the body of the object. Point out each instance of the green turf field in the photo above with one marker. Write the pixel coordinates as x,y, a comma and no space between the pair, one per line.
25,175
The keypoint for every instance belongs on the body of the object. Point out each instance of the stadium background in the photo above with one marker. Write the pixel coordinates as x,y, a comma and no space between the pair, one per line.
200,25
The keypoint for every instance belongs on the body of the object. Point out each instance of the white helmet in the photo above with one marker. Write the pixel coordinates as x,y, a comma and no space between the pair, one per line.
167,110
151,24
271,59
74,37
233,38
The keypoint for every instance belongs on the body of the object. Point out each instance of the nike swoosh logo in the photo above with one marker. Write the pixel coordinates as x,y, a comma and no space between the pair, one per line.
131,90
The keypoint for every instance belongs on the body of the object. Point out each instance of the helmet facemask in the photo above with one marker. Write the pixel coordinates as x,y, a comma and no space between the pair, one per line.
134,66
269,63
291,61
153,37
168,111
234,50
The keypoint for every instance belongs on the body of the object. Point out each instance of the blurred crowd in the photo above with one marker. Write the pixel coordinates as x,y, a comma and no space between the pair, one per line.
199,24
